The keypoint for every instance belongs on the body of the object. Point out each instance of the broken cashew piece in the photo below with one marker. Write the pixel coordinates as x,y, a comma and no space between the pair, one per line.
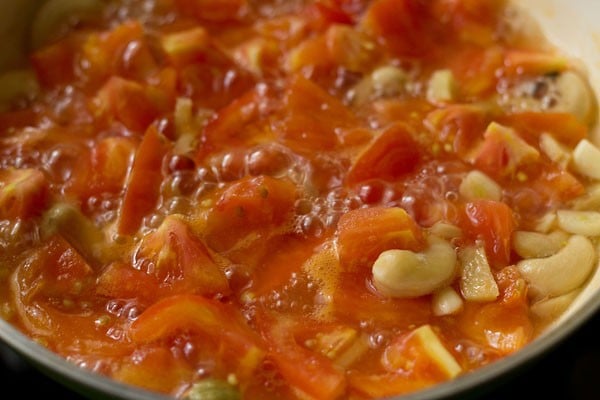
404,274
562,272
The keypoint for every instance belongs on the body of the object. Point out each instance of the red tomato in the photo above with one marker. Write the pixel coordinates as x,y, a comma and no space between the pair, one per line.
311,117
143,182
131,103
250,209
392,154
189,313
24,193
366,232
494,223
405,26
310,372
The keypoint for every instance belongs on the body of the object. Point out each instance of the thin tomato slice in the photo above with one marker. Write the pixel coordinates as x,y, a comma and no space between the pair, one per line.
143,183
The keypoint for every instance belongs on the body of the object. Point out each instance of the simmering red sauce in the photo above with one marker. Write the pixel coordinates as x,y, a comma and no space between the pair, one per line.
288,199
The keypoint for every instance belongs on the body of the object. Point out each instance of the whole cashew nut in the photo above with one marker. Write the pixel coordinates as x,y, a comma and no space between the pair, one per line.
403,273
562,272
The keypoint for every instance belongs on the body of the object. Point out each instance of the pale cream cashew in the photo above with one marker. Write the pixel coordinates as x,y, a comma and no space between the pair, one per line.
403,273
586,159
562,272
585,223
576,96
547,311
529,244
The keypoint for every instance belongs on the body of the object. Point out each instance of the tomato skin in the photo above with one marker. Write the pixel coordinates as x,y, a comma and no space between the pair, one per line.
220,322
253,205
312,373
403,26
493,222
54,64
311,117
131,103
364,233
143,182
391,154
24,193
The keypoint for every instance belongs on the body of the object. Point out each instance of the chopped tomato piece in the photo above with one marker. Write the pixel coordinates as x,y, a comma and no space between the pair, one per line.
155,369
55,64
312,117
504,325
366,232
252,208
131,103
459,125
180,260
503,151
111,159
563,126
189,313
403,25
494,223
24,193
310,372
143,182
391,154
236,123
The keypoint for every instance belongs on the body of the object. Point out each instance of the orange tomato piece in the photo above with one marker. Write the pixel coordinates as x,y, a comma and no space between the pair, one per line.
311,117
111,159
180,260
24,193
364,233
251,208
191,313
310,372
143,183
390,155
565,127
494,222
133,104
403,25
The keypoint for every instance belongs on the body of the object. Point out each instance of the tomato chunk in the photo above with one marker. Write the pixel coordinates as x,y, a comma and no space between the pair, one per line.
184,313
143,182
310,372
24,193
494,223
251,208
366,232
390,155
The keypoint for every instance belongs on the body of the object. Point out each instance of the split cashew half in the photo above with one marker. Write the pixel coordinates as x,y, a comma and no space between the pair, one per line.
404,274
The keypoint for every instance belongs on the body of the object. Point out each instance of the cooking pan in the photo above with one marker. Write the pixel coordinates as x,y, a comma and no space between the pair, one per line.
568,24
